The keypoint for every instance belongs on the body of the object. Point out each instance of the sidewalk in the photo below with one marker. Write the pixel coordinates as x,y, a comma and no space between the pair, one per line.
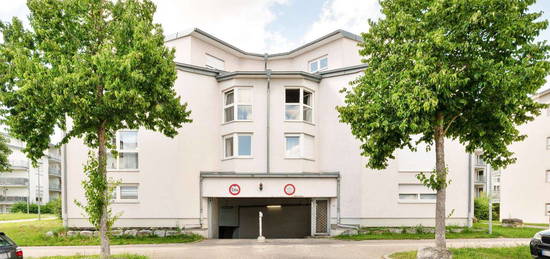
274,248
25,220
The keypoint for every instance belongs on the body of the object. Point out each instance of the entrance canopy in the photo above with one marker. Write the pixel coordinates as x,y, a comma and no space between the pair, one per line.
272,185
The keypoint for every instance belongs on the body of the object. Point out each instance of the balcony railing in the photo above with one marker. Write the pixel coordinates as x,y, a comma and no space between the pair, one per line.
14,181
12,199
55,187
54,171
480,162
54,157
19,164
480,180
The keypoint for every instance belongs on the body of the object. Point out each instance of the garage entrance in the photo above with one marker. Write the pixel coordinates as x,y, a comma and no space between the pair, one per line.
282,217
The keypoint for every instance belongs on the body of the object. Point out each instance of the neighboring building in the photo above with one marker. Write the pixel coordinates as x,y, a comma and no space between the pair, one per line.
266,137
525,185
482,183
25,183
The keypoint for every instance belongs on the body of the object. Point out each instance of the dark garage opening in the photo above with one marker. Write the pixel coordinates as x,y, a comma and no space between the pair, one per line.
282,218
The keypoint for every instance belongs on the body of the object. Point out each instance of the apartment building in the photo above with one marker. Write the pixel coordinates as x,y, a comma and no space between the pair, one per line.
25,183
266,138
525,185
486,179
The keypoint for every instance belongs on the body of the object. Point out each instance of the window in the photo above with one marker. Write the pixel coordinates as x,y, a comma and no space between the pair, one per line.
298,104
243,104
128,192
299,146
214,62
238,145
126,145
548,176
416,193
548,143
318,64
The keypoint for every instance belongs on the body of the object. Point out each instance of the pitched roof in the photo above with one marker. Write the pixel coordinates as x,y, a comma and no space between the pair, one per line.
209,37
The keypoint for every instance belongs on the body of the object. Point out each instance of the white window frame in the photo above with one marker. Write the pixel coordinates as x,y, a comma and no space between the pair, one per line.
119,151
236,103
318,62
301,144
118,193
207,56
301,104
418,195
235,137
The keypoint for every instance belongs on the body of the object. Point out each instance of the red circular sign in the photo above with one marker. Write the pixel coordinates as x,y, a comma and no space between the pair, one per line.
234,189
290,189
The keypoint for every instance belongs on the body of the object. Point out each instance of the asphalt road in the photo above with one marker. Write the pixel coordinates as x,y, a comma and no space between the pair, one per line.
276,248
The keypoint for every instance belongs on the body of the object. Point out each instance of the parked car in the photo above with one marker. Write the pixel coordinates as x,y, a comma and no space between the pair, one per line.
8,248
540,244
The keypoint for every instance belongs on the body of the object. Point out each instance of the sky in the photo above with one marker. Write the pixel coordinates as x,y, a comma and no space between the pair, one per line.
263,25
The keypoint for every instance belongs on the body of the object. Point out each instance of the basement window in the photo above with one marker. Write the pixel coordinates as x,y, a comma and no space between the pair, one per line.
416,193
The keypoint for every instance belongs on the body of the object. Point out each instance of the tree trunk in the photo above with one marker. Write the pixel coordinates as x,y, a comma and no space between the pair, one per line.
441,172
102,170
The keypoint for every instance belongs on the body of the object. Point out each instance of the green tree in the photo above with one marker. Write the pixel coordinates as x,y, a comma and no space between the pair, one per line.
96,66
456,69
5,151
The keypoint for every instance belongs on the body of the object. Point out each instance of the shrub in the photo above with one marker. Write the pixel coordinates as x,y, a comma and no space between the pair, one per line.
52,207
481,208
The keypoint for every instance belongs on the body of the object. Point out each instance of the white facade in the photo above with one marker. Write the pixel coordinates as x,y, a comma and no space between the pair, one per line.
26,183
525,185
266,137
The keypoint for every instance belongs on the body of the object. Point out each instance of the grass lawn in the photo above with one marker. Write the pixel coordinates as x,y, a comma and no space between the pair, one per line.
478,231
33,233
519,252
14,216
528,224
121,256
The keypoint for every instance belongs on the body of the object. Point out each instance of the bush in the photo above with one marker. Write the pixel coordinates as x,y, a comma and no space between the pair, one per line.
52,207
481,208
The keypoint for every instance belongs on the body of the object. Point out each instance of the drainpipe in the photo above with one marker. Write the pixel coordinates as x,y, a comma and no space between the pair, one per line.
64,188
338,197
470,223
268,91
200,203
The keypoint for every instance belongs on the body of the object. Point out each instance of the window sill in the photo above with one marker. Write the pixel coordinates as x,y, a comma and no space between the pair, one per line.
295,121
122,170
300,158
235,121
237,157
416,202
125,202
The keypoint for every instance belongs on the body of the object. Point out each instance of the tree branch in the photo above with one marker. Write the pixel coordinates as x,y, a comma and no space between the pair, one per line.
450,122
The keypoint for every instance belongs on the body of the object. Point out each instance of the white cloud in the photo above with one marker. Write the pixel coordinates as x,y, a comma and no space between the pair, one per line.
242,23
349,15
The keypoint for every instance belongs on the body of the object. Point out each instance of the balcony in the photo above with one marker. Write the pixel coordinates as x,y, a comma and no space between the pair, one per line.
12,199
19,164
480,180
54,171
54,157
55,187
14,182
479,162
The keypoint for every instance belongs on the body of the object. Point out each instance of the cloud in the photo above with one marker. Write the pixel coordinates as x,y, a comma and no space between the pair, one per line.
349,15
242,23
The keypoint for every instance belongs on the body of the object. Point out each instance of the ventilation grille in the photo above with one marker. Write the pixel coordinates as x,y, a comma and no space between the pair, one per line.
321,212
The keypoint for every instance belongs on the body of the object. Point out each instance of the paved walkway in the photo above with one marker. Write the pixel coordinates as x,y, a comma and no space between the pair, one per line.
24,220
276,248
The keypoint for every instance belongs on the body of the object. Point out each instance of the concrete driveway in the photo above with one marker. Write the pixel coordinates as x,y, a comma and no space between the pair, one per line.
276,248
